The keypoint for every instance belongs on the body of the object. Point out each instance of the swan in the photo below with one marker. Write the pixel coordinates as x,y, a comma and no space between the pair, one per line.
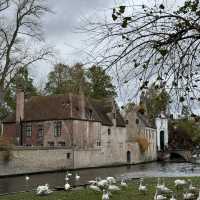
68,174
113,188
67,186
179,183
43,190
94,187
172,198
77,177
198,198
188,196
123,183
27,178
164,189
66,178
92,182
105,195
159,186
142,188
191,187
102,183
111,179
159,196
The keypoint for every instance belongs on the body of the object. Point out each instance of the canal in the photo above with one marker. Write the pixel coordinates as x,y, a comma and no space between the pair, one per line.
155,169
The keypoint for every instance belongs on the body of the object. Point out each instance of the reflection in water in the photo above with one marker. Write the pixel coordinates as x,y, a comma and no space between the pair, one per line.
14,184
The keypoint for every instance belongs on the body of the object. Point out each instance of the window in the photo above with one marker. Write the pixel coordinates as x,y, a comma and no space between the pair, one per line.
68,155
127,121
28,130
98,143
109,131
57,128
137,121
51,144
62,144
40,131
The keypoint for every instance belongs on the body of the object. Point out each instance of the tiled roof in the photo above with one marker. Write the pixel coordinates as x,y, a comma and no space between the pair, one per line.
60,107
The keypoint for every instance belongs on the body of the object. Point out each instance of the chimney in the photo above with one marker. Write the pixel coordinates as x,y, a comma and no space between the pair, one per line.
114,113
82,106
19,105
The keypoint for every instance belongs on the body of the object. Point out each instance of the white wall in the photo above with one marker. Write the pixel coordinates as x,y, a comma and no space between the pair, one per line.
162,125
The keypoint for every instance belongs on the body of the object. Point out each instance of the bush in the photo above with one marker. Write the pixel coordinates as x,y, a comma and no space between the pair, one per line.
6,148
143,143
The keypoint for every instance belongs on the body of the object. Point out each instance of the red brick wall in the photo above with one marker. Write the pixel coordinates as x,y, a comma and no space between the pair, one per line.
9,131
84,134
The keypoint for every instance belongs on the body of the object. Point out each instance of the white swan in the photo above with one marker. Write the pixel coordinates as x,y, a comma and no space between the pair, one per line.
142,188
95,188
188,196
164,189
159,196
191,187
113,188
105,195
68,174
92,182
102,183
111,179
172,198
67,186
77,177
123,183
43,190
198,198
159,186
179,182
27,178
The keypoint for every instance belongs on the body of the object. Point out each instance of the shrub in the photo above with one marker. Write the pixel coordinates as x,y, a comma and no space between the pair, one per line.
5,148
143,143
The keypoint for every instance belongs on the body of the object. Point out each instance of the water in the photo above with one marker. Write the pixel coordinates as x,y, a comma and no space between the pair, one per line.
155,169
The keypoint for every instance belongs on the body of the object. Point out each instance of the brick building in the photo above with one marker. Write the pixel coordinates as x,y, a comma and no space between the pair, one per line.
62,120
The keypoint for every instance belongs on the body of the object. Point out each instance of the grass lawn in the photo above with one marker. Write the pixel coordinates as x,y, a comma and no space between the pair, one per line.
131,192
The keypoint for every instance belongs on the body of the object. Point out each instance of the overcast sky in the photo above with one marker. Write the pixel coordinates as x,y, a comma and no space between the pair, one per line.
60,30
61,33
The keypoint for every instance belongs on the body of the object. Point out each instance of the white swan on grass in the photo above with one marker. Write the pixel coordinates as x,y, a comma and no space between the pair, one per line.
159,196
123,183
105,195
188,196
43,190
142,188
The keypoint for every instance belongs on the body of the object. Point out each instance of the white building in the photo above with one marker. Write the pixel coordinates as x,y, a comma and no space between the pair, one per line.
162,132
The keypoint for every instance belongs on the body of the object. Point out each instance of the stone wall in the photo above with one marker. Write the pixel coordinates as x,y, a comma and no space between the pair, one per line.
28,160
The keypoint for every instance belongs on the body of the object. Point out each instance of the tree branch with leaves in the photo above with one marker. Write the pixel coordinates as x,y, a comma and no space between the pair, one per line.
153,44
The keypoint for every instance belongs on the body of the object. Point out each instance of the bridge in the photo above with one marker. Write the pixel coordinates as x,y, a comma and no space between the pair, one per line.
185,154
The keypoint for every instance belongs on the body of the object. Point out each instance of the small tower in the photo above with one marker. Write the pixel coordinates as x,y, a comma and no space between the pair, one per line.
162,132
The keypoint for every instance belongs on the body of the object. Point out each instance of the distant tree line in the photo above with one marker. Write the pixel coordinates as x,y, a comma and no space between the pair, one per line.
92,82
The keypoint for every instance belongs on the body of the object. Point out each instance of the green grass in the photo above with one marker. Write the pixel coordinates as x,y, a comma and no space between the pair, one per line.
130,193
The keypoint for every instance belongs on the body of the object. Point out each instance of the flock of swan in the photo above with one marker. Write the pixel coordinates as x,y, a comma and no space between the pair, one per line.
162,190
108,185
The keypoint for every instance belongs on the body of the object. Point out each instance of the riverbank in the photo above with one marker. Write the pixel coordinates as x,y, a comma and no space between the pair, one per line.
131,192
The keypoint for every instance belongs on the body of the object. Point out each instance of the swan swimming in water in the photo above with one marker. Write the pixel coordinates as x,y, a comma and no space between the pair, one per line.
77,177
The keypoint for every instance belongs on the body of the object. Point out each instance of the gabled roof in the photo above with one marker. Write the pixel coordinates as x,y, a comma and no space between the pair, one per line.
61,107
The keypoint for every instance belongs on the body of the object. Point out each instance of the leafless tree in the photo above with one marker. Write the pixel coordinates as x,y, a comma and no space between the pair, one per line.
153,44
4,4
21,42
